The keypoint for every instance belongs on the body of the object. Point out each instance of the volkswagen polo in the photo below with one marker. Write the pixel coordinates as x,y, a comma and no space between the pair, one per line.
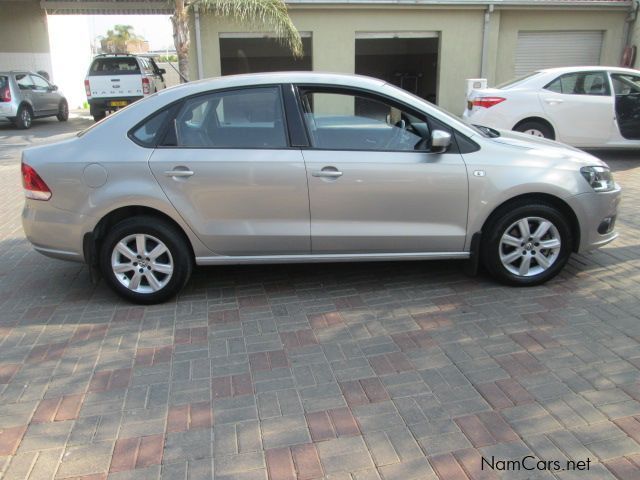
307,167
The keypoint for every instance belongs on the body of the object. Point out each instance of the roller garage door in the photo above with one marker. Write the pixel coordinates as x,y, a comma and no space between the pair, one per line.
536,50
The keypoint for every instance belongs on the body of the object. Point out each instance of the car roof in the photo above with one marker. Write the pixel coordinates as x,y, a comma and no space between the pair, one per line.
592,68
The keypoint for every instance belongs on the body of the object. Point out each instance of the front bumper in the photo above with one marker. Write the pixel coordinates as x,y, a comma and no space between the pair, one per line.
592,209
53,232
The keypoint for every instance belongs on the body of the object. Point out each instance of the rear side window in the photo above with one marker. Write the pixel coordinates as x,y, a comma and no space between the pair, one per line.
248,118
24,81
114,66
148,133
582,83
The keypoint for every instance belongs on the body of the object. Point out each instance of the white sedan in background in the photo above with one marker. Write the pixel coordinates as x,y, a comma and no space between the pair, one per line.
587,107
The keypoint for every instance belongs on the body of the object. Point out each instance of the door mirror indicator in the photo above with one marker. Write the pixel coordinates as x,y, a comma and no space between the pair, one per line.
440,141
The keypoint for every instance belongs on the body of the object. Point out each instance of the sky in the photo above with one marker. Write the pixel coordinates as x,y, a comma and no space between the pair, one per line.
70,38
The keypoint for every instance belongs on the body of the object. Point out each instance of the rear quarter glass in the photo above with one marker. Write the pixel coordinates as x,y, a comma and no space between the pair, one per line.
115,66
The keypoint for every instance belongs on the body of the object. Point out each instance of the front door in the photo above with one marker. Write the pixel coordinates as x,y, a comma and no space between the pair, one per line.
627,91
47,97
228,170
581,108
373,187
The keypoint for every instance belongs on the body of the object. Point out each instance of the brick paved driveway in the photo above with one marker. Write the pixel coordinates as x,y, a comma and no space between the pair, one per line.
364,371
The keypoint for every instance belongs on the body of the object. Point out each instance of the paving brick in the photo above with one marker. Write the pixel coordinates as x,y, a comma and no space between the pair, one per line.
10,438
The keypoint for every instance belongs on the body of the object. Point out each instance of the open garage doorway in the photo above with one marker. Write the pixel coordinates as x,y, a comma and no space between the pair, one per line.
252,53
406,59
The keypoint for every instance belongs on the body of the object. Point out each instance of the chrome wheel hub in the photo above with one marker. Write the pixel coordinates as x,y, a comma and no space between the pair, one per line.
142,263
529,246
535,132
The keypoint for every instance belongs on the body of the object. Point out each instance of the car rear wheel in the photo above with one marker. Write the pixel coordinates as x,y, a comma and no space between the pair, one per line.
145,260
99,116
24,119
527,244
63,111
537,129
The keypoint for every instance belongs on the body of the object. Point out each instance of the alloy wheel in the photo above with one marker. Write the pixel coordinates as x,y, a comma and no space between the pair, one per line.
529,246
142,263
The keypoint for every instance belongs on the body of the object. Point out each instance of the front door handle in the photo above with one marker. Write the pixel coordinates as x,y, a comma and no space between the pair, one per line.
178,173
327,172
553,101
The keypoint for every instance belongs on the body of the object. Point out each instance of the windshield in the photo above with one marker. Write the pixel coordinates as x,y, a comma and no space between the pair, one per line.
517,81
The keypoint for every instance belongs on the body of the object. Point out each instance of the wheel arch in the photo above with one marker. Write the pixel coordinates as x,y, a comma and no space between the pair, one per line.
536,118
92,240
548,199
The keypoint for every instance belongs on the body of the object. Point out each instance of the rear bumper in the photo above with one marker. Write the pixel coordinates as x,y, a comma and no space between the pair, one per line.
8,109
487,117
53,232
592,209
103,104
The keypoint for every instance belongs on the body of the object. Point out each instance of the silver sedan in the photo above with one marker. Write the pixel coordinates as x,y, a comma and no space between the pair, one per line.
307,167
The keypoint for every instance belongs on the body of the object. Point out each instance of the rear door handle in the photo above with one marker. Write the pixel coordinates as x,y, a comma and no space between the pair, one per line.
178,173
327,174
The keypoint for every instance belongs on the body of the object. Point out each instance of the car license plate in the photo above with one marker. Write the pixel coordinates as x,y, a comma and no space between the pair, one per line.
119,103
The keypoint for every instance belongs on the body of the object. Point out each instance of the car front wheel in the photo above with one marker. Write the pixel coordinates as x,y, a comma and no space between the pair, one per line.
527,245
145,260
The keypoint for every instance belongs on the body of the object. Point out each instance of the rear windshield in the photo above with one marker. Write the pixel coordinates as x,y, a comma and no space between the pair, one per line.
517,81
114,66
3,81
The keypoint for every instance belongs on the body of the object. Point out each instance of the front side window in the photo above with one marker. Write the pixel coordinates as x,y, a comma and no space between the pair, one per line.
248,118
40,82
581,83
625,84
345,121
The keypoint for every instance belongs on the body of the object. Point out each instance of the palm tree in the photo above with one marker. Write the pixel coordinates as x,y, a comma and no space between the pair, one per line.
271,14
116,39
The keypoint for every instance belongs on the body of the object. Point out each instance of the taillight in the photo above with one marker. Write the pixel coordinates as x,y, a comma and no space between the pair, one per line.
146,87
87,88
487,102
34,187
5,94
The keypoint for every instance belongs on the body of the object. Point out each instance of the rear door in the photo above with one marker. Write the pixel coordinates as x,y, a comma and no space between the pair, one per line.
27,87
373,187
580,105
227,167
115,77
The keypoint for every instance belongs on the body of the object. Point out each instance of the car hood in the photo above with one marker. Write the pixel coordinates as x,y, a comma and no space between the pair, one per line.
546,148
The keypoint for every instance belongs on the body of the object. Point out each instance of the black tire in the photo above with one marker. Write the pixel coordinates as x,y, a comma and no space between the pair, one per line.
24,119
171,237
532,125
501,223
99,116
63,111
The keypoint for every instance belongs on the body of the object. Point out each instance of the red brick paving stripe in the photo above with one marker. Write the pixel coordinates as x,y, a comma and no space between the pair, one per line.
69,407
353,301
528,361
124,455
447,468
527,342
343,422
381,365
475,431
516,392
412,340
306,462
262,361
432,321
7,372
280,464
320,426
353,393
144,357
400,362
630,426
10,439
150,451
200,415
241,384
224,316
278,359
221,387
471,462
499,429
325,320
110,379
494,395
374,389
46,410
253,301
178,418
130,314
162,354
39,313
298,338
623,469
182,336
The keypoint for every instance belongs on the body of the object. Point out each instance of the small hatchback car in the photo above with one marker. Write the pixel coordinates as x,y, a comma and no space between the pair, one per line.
307,167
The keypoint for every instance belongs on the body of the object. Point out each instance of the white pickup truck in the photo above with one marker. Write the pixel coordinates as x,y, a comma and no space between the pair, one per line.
116,80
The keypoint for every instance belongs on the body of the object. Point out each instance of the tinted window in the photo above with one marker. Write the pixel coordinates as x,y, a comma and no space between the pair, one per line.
583,83
352,122
4,81
250,118
147,133
24,81
114,66
40,82
625,84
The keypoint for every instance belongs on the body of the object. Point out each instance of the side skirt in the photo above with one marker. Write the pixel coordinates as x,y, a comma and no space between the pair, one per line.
330,257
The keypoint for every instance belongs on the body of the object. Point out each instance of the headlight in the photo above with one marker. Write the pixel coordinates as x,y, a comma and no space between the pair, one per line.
599,178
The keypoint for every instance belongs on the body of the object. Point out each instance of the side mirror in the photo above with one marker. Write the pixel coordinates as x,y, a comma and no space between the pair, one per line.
54,88
162,71
440,141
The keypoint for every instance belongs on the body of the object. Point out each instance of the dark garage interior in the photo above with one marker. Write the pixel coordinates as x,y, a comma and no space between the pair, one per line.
410,63
260,54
